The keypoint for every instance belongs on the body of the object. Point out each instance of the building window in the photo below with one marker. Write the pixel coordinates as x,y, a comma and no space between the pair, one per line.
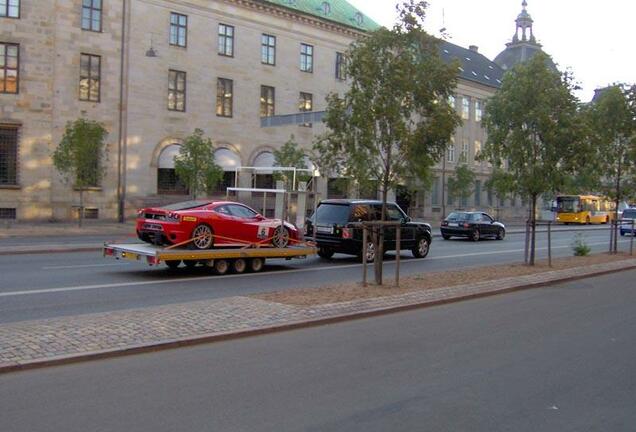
451,152
337,187
91,15
226,40
463,157
465,108
306,104
90,77
178,30
10,8
306,58
268,49
341,66
435,192
479,110
326,8
9,67
8,156
167,180
268,101
477,150
224,97
451,101
176,90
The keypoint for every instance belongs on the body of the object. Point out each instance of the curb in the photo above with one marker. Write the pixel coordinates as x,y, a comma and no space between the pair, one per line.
294,325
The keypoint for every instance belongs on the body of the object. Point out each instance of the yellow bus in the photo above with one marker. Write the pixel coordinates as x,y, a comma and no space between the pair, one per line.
584,209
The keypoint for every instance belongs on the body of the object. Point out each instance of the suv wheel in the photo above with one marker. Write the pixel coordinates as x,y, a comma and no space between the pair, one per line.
421,248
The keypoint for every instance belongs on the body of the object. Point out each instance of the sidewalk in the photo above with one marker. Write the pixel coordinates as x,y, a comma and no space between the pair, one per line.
54,341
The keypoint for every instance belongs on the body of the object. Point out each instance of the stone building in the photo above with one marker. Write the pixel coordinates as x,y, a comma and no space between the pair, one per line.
152,71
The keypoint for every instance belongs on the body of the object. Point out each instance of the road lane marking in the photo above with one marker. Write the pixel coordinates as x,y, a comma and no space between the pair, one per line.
250,275
84,266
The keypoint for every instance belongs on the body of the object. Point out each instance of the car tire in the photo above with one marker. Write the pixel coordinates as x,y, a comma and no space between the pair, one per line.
475,235
203,237
587,220
325,253
446,236
280,239
173,264
421,248
501,234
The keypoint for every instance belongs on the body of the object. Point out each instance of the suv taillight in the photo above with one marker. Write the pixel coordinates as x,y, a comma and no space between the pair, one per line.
466,225
347,233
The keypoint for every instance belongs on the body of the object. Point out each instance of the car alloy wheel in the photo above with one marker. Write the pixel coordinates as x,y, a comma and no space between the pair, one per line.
203,238
421,248
501,233
281,237
475,235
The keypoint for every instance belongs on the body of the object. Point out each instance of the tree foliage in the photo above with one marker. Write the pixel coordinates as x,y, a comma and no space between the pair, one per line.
79,156
460,184
393,122
290,156
195,165
612,120
534,131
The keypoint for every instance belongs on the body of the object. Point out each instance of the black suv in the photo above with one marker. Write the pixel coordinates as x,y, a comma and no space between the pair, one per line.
337,224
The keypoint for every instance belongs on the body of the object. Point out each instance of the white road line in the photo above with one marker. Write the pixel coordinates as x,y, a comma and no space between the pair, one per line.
84,266
250,275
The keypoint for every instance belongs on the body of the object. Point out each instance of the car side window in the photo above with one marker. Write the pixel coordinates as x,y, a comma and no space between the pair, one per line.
486,218
393,213
242,212
360,213
222,210
475,218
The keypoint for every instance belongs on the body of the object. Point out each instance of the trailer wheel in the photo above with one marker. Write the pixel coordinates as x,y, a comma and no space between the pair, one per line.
239,265
221,266
173,264
257,264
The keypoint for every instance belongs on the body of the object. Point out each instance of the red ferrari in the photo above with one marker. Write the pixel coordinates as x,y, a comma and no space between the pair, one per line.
211,224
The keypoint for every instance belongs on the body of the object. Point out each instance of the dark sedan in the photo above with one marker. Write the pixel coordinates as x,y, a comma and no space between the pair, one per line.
474,225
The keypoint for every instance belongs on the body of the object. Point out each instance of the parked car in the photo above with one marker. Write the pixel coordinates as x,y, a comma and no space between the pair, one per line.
474,225
629,215
211,224
338,228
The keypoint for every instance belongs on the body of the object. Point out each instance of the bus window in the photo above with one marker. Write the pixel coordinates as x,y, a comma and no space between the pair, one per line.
568,205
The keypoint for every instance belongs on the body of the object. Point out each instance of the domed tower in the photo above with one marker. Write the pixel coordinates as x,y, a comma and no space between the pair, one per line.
523,46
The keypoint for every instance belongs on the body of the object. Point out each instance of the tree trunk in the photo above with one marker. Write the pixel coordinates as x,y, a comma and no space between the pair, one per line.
81,207
533,227
379,247
617,203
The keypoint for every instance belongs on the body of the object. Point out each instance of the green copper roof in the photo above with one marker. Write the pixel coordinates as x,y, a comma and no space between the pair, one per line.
339,11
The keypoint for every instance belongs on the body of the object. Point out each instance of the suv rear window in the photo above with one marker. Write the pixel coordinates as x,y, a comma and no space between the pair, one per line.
332,214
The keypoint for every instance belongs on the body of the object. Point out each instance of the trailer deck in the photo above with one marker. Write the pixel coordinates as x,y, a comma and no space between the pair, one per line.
222,260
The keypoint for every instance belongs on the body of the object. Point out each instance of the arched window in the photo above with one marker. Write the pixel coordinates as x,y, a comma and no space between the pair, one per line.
264,179
229,161
326,8
167,180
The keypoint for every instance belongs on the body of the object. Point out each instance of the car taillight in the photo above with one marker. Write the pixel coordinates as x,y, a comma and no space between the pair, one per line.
466,225
347,233
172,217
444,223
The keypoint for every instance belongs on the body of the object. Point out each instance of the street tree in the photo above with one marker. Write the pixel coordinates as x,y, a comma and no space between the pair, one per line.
195,165
460,184
613,133
290,156
393,122
80,156
534,125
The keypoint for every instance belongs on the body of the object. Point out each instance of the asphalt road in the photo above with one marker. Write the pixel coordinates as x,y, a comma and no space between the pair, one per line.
551,359
63,284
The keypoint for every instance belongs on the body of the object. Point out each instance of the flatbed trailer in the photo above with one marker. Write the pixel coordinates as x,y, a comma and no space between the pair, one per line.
238,260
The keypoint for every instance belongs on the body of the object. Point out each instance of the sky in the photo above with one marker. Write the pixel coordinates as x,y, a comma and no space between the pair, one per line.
594,40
